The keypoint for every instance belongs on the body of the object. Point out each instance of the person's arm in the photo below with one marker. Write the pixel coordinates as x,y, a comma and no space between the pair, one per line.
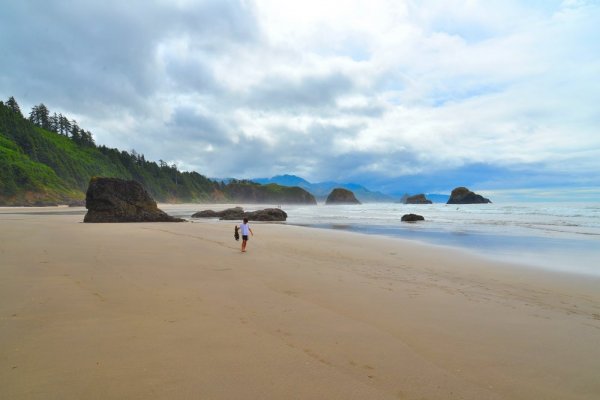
250,229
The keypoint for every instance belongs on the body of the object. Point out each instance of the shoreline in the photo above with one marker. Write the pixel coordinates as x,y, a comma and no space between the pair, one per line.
541,253
163,310
564,254
523,251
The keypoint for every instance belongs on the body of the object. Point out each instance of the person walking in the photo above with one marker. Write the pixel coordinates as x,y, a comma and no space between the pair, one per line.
245,228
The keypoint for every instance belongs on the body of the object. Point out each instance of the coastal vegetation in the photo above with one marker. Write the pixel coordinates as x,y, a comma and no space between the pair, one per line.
48,159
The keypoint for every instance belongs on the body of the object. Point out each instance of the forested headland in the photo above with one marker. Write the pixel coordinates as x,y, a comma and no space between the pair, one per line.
48,159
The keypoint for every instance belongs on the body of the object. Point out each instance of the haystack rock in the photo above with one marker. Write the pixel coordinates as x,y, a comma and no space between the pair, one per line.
341,196
462,195
118,200
417,199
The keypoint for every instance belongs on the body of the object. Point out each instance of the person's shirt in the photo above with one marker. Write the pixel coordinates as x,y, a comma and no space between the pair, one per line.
245,229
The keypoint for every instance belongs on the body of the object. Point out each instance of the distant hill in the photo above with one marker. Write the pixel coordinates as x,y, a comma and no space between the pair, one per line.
252,192
48,160
284,180
322,189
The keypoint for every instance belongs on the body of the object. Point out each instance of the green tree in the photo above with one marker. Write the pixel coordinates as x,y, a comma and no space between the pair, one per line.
14,106
40,115
64,125
54,123
75,133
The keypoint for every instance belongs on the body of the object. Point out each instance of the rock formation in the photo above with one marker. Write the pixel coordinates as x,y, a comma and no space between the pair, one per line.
268,214
118,200
341,196
230,213
417,199
462,195
206,214
412,218
238,213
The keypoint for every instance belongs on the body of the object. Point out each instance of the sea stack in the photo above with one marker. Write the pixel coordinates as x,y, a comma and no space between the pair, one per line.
118,200
462,195
341,196
417,199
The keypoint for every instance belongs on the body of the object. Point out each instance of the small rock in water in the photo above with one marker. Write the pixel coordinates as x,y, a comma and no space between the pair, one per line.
412,218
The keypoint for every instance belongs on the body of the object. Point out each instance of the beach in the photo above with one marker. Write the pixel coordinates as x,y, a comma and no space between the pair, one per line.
175,310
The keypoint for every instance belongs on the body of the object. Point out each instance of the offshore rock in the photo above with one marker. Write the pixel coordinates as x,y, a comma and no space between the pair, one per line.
462,195
341,196
118,200
417,199
238,213
412,218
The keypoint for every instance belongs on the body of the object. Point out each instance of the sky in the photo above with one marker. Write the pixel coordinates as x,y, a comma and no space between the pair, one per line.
400,96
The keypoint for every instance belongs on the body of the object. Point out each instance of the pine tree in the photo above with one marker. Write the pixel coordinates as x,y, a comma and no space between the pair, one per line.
34,115
44,116
64,125
54,123
86,138
40,116
75,132
14,106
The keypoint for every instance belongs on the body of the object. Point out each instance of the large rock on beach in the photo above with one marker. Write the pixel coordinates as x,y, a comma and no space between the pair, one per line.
268,214
417,199
341,196
412,218
230,213
238,213
206,214
462,195
118,200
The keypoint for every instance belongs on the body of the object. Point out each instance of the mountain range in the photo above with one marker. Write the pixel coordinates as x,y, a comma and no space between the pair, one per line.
322,189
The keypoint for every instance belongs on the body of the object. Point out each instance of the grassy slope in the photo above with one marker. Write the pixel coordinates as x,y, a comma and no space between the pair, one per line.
42,167
38,167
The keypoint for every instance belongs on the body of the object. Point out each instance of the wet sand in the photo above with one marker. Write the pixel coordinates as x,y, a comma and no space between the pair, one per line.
163,310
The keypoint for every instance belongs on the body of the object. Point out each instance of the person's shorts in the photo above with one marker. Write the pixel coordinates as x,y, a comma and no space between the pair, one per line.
244,237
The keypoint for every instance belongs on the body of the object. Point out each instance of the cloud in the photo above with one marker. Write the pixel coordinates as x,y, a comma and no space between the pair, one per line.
384,93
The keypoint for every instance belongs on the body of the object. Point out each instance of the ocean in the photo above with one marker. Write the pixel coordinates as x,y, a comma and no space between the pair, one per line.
562,237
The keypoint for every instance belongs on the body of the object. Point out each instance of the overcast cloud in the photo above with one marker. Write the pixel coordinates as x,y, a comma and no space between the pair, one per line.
396,95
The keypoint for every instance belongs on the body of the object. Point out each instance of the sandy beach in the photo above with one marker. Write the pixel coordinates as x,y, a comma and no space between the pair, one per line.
175,310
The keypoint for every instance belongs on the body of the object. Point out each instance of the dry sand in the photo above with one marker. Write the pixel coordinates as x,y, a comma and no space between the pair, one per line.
160,310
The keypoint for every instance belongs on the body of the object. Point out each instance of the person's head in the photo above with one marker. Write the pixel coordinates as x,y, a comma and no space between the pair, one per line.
245,220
